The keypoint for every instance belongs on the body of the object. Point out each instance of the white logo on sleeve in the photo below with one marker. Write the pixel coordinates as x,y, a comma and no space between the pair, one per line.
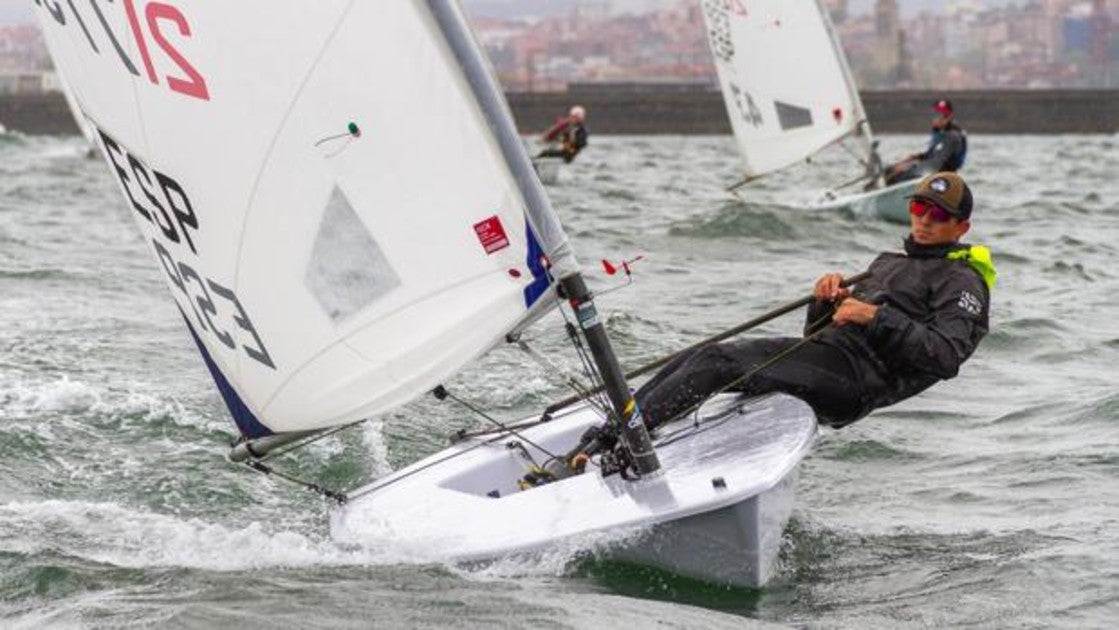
970,303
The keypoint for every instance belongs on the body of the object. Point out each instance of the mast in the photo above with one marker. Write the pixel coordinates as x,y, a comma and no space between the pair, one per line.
863,128
542,218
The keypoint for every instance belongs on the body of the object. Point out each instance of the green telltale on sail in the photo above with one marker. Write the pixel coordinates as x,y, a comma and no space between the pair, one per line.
354,130
979,257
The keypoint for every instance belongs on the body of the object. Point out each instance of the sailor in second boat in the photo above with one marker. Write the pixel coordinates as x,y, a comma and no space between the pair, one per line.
947,148
569,135
918,317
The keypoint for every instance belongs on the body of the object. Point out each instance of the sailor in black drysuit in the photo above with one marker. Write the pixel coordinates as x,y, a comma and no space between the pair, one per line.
946,151
912,323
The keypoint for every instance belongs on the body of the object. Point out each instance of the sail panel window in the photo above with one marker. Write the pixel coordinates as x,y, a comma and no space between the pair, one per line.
792,117
348,271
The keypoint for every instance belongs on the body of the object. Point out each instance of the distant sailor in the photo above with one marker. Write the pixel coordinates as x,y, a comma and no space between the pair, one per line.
568,136
911,324
947,149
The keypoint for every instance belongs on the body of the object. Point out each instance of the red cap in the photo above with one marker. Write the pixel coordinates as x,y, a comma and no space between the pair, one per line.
943,107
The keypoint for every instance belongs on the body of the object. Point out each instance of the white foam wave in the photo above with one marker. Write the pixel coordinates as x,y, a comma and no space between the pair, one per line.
21,400
70,148
115,535
373,436
147,407
111,534
557,560
62,395
44,618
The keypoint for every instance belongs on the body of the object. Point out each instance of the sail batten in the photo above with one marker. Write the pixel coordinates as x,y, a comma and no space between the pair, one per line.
788,91
342,230
272,144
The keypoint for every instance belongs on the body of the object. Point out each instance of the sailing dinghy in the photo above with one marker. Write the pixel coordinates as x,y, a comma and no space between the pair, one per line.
890,203
345,217
789,94
548,169
716,512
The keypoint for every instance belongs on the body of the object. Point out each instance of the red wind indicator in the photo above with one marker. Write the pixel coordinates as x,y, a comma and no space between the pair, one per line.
611,269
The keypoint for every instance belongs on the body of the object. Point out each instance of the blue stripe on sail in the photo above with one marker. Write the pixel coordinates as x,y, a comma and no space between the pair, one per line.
246,422
534,258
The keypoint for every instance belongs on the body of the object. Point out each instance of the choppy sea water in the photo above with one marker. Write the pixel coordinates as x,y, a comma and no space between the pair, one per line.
990,500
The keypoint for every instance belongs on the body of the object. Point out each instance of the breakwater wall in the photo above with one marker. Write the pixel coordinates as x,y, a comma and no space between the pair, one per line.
667,110
909,111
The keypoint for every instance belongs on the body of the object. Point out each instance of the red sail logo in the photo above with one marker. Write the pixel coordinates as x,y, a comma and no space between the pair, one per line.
491,234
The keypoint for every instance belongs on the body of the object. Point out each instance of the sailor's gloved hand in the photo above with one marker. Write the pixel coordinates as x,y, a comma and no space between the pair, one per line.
599,438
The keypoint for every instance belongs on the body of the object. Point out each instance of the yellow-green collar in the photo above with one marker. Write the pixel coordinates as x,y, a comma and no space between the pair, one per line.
979,258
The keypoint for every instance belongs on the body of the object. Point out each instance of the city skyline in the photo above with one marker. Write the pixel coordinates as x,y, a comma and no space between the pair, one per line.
546,45
968,45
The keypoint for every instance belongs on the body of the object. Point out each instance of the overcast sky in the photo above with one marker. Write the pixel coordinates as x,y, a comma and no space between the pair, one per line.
15,11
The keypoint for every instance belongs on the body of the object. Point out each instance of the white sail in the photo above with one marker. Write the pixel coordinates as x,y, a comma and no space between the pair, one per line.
328,187
785,80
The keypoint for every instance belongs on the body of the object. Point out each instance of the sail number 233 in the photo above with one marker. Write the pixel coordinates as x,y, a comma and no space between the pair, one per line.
163,203
184,78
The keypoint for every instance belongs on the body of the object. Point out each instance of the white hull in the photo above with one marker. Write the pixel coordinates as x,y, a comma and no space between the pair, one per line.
736,545
890,203
716,512
548,170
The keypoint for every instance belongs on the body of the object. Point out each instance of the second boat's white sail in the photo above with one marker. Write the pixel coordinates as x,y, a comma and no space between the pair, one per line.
785,80
340,230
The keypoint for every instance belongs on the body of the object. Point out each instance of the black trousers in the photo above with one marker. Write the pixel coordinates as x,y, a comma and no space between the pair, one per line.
912,172
817,373
557,153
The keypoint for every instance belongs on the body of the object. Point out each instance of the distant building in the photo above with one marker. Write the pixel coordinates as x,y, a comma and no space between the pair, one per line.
887,19
638,7
1077,30
661,87
889,48
28,83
